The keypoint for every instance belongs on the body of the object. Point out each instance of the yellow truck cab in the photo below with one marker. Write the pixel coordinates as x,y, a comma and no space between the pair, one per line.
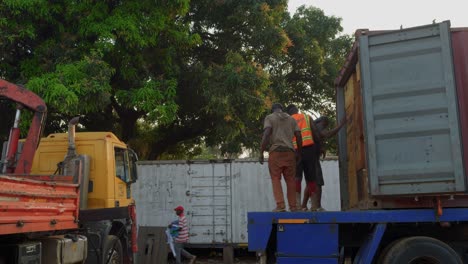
111,169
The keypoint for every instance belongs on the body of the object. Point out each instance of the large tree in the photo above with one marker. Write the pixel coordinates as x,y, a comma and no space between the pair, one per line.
169,76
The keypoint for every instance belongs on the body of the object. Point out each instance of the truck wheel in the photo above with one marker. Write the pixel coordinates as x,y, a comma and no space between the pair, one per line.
420,250
385,250
113,251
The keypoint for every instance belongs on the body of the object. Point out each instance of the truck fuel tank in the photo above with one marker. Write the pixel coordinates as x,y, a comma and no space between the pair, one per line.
64,249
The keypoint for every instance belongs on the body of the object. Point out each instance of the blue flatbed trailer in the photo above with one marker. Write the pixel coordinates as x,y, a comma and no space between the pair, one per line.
374,236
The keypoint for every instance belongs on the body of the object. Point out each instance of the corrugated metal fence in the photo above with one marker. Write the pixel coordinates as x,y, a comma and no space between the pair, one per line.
216,194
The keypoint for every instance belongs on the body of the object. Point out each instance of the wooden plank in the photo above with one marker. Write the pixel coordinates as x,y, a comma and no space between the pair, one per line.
358,125
162,247
145,247
356,151
352,179
351,140
358,72
228,255
349,94
363,185
148,253
342,148
360,153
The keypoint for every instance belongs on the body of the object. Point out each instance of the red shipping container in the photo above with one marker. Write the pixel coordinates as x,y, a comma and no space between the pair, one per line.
460,61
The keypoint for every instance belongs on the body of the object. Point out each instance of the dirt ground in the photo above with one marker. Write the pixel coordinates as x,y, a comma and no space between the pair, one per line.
203,260
218,260
242,260
216,257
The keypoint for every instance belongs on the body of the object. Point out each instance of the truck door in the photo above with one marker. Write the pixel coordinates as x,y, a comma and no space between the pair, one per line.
123,177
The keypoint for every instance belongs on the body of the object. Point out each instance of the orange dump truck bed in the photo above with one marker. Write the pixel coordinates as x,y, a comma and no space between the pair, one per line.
37,203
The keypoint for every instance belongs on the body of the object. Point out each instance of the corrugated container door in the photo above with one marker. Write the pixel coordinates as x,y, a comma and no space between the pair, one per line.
411,118
210,203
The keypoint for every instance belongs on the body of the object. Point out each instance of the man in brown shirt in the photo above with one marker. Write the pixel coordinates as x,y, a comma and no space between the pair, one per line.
279,129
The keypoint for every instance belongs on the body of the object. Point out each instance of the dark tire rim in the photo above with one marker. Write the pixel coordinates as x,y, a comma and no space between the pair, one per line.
113,257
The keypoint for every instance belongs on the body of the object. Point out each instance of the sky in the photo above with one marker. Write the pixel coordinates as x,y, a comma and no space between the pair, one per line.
389,14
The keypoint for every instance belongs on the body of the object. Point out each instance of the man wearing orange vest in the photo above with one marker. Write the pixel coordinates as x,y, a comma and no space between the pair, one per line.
279,129
309,154
321,134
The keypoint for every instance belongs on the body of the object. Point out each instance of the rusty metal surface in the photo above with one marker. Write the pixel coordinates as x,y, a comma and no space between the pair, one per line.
22,95
29,205
460,61
33,102
424,202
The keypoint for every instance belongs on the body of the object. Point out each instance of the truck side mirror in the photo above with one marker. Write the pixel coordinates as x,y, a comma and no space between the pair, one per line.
133,158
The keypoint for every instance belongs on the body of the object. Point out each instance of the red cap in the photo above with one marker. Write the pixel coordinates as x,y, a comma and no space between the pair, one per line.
179,208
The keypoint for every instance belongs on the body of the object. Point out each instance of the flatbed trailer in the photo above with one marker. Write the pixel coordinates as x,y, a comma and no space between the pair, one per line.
374,236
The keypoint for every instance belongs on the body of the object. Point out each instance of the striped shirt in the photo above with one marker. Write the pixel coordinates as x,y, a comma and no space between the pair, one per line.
183,233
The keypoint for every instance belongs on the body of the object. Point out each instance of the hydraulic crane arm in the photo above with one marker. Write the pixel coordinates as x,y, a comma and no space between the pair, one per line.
27,99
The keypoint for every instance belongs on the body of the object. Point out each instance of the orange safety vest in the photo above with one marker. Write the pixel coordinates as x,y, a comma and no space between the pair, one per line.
303,121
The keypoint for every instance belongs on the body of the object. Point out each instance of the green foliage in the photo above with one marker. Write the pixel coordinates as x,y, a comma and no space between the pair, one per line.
155,98
223,90
83,57
237,92
175,79
79,87
305,74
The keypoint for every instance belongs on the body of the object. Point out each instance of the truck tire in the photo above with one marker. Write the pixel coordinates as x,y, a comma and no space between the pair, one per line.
419,250
385,250
113,251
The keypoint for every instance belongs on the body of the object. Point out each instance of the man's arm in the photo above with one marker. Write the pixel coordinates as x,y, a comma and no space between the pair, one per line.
333,132
265,140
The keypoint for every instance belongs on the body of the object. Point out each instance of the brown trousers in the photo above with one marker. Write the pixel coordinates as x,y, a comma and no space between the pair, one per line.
283,163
